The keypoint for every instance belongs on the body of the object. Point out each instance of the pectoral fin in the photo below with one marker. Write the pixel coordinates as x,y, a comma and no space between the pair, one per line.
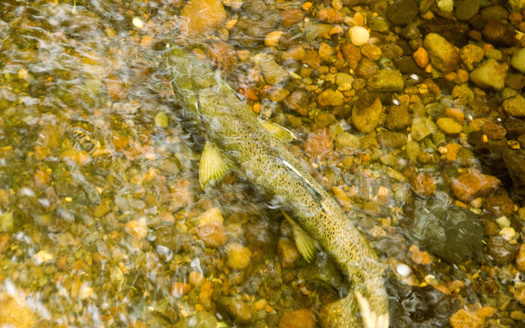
306,245
279,132
212,166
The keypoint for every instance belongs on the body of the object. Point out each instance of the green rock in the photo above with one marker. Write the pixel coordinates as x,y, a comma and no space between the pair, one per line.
392,139
6,221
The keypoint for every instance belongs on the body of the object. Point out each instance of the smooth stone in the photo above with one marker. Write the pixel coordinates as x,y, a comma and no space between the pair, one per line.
192,16
489,74
422,127
366,112
386,80
466,9
518,60
358,35
443,55
402,12
449,125
515,106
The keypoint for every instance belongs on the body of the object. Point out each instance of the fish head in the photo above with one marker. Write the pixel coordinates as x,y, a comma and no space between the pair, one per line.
188,75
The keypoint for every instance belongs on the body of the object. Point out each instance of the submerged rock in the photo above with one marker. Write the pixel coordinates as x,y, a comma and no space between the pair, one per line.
298,319
450,232
402,12
366,112
194,11
490,74
518,60
471,185
15,313
386,80
515,106
443,55
499,34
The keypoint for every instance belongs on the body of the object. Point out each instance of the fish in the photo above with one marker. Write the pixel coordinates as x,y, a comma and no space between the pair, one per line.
236,140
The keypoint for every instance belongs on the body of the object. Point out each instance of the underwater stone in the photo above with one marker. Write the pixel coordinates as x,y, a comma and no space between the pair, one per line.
450,232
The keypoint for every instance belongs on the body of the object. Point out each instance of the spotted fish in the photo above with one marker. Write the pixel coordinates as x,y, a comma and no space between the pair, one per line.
236,139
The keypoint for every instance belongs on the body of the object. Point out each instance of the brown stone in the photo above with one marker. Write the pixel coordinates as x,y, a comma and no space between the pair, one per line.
195,11
424,185
298,101
519,295
298,319
288,253
291,17
465,319
471,185
319,145
520,258
351,54
212,235
499,204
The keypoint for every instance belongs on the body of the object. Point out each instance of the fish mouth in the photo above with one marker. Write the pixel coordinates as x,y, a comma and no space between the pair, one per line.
370,318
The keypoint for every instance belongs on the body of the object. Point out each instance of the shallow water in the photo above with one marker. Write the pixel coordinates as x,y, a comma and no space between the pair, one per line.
103,221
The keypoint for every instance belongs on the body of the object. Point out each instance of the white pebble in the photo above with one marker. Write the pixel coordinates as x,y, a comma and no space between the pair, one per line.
403,269
137,22
358,35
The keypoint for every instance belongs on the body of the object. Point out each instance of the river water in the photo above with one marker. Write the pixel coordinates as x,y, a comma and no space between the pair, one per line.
103,222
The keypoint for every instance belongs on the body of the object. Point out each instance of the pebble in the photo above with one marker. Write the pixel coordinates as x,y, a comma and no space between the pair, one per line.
402,12
499,204
489,74
238,256
518,60
241,311
519,295
392,139
501,251
137,22
43,256
291,17
303,318
443,55
178,289
466,9
446,5
371,51
351,54
515,106
273,73
421,128
204,319
288,253
298,101
471,185
520,258
212,215
503,222
508,233
398,117
344,81
366,112
494,131
212,235
424,185
15,313
319,144
421,57
498,34
358,35
330,97
192,14
386,80
137,229
449,125
471,55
